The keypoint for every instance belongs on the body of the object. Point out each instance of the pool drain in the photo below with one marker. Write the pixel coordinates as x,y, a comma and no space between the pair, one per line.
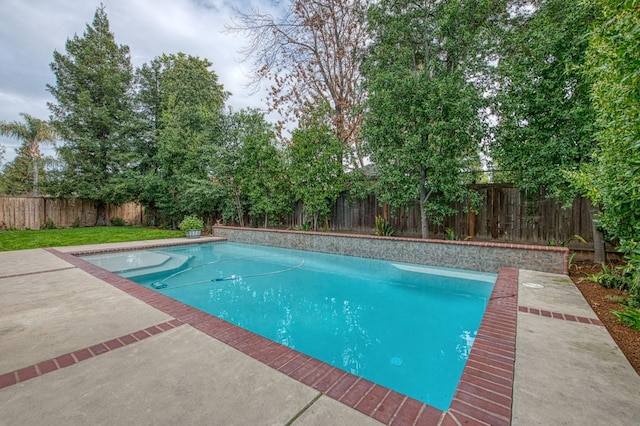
397,361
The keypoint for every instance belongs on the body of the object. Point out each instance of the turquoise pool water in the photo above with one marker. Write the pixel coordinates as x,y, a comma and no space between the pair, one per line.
407,327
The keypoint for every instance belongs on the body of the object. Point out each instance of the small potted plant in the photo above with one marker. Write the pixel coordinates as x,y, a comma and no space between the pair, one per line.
191,226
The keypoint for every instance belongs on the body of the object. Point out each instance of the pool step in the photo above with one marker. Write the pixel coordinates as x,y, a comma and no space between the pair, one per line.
138,263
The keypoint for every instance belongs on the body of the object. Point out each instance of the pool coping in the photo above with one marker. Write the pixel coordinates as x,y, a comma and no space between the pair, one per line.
483,396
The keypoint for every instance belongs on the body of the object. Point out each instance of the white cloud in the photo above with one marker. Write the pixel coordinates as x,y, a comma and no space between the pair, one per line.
33,29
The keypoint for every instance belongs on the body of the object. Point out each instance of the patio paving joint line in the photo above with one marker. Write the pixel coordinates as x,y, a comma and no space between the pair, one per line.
303,410
62,361
560,316
26,274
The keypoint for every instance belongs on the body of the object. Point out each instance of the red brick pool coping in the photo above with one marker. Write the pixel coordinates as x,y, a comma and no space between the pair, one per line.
483,396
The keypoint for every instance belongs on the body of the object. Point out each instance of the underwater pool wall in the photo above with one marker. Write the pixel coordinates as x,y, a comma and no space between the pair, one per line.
477,256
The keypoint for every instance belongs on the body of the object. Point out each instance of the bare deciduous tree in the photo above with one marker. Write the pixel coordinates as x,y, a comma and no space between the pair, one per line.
310,54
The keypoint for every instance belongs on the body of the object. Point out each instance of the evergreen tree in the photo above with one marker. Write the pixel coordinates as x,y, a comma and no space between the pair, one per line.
179,104
92,113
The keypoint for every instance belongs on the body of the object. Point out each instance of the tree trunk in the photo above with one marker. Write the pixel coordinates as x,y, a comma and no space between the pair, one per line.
101,217
239,209
598,243
153,215
424,196
35,178
472,224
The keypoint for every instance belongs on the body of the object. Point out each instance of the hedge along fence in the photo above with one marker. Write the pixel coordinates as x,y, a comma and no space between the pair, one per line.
34,212
477,256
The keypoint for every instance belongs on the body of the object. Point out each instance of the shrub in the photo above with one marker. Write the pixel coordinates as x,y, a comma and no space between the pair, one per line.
565,242
609,278
616,298
631,270
117,221
191,222
304,227
451,234
48,224
629,317
383,228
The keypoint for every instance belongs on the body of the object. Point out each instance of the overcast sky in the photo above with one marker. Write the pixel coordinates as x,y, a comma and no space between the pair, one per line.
30,30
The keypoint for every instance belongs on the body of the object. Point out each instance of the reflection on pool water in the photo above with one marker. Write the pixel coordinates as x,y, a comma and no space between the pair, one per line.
406,327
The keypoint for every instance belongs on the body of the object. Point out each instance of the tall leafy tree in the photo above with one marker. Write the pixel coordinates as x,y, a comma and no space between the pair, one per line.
612,179
262,172
310,53
32,132
249,169
179,104
315,168
92,113
225,161
423,125
144,181
545,114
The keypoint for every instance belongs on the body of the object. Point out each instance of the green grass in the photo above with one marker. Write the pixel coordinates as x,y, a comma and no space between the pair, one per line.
20,240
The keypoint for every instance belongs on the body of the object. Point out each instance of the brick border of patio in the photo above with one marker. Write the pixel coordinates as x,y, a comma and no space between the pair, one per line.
483,396
560,316
62,361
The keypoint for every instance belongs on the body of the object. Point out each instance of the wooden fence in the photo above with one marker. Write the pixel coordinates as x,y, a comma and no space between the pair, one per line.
33,212
506,215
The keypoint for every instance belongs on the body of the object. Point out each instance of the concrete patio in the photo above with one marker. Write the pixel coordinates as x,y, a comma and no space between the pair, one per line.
74,350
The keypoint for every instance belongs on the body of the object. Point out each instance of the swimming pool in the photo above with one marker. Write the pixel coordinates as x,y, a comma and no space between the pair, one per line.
407,327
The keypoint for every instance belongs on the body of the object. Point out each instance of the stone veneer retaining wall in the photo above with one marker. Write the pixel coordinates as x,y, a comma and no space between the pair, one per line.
477,256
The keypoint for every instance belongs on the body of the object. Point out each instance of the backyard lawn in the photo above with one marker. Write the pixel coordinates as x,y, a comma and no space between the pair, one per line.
20,240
